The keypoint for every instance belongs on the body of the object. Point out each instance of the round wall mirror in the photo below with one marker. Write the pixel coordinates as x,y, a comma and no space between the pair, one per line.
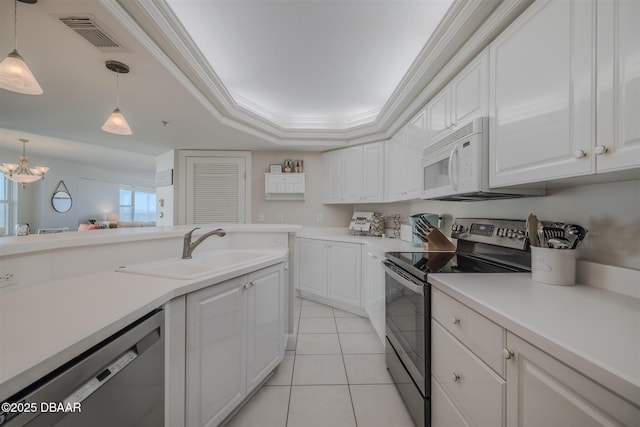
61,199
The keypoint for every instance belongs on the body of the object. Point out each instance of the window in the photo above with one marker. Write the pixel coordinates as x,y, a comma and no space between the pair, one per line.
7,205
137,205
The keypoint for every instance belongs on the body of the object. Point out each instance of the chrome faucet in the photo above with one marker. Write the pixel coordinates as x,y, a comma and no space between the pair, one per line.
189,246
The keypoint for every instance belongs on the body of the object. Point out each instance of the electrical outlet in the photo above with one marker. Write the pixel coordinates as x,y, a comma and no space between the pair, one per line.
261,217
319,218
8,275
280,217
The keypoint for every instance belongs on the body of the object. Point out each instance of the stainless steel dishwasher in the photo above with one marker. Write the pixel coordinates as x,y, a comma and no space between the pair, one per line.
118,382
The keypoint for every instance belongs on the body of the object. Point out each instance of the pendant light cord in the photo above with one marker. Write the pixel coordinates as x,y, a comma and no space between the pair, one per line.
15,24
117,90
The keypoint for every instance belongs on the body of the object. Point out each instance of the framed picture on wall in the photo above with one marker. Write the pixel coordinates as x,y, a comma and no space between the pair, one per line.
275,168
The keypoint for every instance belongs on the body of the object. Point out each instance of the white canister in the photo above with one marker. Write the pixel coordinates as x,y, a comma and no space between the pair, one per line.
553,266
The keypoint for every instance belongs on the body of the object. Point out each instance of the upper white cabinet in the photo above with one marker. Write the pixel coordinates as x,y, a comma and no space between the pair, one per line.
402,161
618,70
541,94
462,100
545,102
355,174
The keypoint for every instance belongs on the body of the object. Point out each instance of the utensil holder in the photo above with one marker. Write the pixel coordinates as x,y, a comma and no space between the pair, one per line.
553,266
438,242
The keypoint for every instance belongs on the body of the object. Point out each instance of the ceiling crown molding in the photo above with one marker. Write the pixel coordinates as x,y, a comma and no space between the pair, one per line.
467,28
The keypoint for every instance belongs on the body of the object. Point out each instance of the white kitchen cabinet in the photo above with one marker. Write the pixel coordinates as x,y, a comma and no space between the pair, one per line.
234,340
462,100
542,103
331,272
476,390
355,174
542,391
334,177
373,289
403,161
265,340
618,71
216,352
284,186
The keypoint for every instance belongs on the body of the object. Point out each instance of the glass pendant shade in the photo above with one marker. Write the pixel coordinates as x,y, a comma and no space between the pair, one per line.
16,76
116,123
21,172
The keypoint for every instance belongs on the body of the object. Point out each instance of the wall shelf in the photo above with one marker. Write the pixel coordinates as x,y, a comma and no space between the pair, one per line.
284,186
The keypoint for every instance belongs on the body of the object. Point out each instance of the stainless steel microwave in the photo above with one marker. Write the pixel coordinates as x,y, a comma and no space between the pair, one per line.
456,167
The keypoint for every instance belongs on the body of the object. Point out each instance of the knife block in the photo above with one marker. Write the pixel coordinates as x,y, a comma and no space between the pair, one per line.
437,241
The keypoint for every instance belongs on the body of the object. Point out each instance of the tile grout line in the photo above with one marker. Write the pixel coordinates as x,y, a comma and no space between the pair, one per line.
344,366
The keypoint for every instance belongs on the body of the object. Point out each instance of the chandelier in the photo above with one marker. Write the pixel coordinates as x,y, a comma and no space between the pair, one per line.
21,172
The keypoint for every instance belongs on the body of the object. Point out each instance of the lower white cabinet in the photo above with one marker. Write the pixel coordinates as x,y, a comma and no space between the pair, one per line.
530,388
373,288
331,271
542,391
234,339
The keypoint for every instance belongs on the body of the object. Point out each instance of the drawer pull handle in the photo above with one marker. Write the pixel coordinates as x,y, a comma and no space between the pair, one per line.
455,320
508,354
456,377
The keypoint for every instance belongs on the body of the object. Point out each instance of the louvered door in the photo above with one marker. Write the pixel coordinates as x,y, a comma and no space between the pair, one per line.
215,190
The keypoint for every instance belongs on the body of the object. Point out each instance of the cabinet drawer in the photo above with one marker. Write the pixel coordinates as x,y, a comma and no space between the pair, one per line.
443,411
477,391
479,334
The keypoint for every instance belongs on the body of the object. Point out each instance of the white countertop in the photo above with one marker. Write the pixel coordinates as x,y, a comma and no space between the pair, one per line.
384,244
44,325
592,330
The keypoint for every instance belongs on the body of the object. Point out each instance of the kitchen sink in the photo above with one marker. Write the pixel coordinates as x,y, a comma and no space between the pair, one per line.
199,266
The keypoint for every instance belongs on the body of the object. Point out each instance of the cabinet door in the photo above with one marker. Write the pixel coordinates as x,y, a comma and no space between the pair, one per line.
313,267
216,365
396,172
373,172
353,174
541,94
334,184
344,264
265,342
618,85
469,91
373,289
438,116
541,391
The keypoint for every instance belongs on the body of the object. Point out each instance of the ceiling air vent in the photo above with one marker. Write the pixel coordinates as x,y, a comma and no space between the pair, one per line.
87,28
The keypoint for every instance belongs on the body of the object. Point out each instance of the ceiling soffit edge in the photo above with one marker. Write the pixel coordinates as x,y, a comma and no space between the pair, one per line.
466,29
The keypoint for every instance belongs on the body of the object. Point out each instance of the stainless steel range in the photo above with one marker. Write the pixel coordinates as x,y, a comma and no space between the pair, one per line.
483,246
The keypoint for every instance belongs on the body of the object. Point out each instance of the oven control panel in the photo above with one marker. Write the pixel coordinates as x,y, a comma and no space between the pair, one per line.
500,232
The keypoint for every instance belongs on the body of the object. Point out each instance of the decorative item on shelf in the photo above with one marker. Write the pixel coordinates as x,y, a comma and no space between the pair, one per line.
15,74
22,229
116,123
299,166
288,166
21,172
377,225
274,168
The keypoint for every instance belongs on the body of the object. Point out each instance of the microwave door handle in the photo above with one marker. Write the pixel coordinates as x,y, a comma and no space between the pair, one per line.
454,184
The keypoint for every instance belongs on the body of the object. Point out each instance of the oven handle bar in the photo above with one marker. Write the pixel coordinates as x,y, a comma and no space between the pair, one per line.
404,282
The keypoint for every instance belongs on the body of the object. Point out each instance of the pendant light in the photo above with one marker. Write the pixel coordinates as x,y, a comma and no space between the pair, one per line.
21,172
116,123
15,74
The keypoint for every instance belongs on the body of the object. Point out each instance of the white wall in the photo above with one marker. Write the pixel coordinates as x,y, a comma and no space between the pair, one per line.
610,211
94,193
296,212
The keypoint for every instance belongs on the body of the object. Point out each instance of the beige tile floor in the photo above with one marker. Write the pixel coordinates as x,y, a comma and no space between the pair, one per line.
336,377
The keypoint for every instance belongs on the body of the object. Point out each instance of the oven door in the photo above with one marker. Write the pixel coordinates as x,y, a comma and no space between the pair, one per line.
407,313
